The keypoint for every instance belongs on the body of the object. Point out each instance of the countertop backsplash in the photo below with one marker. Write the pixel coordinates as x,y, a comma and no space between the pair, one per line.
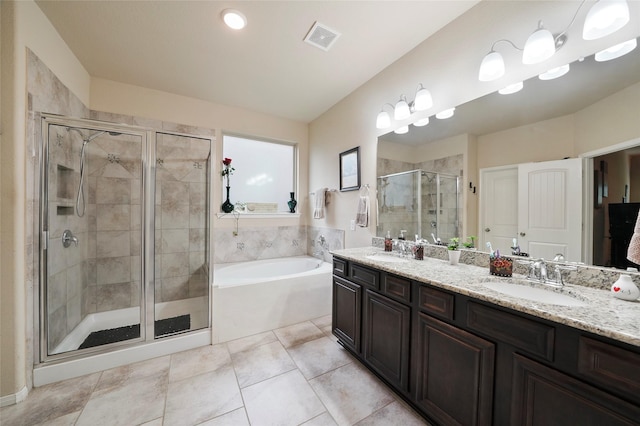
585,275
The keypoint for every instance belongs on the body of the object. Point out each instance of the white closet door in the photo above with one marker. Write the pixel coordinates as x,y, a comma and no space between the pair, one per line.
550,213
498,208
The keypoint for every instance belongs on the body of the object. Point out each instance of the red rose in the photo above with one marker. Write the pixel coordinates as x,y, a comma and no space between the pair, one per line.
226,161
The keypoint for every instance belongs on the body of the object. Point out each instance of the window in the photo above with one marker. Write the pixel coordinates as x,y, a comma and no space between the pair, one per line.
264,175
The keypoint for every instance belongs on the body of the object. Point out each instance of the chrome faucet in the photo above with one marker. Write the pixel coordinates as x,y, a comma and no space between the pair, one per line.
68,238
539,271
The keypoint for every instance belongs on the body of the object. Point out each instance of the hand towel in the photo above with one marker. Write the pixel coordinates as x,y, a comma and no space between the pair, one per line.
318,211
362,214
633,252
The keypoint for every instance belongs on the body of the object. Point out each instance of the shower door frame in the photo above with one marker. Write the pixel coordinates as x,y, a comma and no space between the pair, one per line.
147,278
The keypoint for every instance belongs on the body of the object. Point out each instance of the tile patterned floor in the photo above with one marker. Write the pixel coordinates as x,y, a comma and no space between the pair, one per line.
297,375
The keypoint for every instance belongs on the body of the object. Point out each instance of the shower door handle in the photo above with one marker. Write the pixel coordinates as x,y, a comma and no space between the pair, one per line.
68,238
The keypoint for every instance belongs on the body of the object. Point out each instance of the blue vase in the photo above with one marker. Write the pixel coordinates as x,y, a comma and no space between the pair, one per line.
292,203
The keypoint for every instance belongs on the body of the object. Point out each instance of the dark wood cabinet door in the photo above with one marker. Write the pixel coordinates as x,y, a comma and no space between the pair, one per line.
346,318
543,396
454,374
386,338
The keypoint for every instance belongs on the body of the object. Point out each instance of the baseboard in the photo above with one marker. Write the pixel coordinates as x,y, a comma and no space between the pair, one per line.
14,398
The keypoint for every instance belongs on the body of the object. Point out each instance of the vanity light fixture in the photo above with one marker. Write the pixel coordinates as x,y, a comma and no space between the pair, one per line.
234,19
616,51
539,47
401,130
447,113
512,88
401,110
554,72
383,120
604,18
422,122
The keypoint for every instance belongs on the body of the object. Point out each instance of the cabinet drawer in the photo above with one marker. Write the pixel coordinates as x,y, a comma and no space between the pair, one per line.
340,267
436,302
364,276
610,366
525,334
397,288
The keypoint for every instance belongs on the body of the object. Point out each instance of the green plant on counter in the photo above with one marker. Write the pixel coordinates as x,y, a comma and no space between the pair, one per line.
453,244
470,243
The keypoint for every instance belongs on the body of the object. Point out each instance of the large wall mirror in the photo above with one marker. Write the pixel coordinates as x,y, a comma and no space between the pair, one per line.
547,120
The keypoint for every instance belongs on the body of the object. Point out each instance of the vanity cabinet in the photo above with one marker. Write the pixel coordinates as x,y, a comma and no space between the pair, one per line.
460,360
454,373
386,329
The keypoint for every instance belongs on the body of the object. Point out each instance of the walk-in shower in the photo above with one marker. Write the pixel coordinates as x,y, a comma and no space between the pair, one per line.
420,203
124,236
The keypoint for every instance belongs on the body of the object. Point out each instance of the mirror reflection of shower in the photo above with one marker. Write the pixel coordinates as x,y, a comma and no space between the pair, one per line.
80,198
422,202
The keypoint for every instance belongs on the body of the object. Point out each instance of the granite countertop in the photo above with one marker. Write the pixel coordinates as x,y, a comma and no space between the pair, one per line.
602,314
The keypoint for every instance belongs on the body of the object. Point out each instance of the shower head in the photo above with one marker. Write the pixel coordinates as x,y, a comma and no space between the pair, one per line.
101,132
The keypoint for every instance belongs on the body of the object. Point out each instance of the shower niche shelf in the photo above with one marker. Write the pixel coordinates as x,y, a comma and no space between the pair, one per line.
64,210
65,184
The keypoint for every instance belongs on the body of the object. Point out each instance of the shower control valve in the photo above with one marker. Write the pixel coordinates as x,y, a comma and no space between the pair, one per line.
68,238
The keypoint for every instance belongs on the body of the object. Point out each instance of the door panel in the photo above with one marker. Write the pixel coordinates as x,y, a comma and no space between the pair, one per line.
499,208
550,214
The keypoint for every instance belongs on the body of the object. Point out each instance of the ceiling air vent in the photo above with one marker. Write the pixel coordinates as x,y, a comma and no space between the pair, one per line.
321,36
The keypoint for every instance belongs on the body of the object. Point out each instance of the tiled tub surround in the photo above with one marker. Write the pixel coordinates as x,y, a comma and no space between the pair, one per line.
273,242
603,314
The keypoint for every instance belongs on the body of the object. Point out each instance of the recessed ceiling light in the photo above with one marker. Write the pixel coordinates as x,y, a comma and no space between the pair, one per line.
554,72
512,88
234,19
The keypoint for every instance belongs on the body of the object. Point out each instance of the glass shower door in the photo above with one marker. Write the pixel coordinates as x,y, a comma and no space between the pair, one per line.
92,236
182,191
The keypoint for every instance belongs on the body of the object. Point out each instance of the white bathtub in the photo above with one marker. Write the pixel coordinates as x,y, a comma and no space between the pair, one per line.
253,297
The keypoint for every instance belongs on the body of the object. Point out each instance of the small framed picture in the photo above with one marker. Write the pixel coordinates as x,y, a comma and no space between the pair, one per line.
350,169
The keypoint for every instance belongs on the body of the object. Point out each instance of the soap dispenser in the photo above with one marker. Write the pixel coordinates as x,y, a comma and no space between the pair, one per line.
388,242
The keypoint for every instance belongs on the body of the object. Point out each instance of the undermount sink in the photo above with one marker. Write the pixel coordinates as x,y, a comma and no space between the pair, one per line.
391,258
534,294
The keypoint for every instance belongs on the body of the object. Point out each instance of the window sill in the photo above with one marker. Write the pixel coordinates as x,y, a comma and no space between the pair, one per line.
279,215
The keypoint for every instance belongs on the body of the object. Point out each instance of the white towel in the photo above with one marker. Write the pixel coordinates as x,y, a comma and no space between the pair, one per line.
318,211
633,252
362,215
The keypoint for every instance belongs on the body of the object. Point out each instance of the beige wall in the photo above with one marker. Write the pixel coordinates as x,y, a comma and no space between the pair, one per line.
23,26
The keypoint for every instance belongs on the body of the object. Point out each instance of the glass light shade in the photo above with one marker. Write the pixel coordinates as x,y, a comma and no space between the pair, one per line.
383,120
234,19
401,130
492,67
447,113
539,47
423,99
616,51
422,122
512,88
401,111
604,18
554,72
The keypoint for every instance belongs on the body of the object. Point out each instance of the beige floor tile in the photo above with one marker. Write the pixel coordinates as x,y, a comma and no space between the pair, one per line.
135,401
154,422
251,342
318,357
120,376
234,418
282,400
47,403
203,397
351,393
395,413
322,321
298,333
261,363
323,419
197,361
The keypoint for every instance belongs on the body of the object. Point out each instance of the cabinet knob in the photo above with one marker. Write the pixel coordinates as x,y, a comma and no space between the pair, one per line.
487,229
522,234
